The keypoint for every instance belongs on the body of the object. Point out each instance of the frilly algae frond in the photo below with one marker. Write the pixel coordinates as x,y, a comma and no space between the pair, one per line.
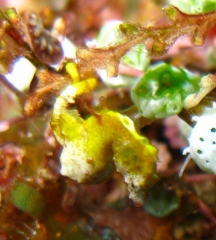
137,58
95,147
110,34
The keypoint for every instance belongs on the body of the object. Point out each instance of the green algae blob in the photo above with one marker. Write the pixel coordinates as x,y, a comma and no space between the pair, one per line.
27,198
162,90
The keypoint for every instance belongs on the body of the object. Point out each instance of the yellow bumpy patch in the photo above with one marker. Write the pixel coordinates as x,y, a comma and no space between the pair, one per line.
104,142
